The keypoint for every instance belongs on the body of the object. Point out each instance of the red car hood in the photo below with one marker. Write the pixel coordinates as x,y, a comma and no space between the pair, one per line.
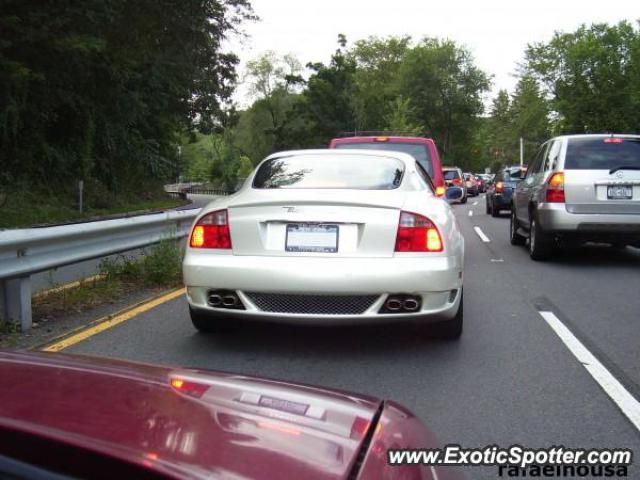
186,423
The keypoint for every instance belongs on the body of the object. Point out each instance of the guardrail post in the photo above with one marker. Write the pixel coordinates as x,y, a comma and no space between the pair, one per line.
17,301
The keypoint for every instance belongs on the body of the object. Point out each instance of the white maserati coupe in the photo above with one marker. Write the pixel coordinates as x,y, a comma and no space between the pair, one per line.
331,237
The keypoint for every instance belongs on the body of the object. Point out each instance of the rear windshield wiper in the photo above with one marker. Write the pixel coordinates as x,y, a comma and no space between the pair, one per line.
615,169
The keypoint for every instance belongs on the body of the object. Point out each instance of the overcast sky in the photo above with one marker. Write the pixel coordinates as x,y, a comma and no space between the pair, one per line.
496,31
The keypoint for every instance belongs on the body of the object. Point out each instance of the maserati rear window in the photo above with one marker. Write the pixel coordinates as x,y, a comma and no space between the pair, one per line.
602,153
360,172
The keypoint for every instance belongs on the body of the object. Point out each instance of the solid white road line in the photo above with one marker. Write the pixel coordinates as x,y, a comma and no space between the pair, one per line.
471,213
481,234
627,402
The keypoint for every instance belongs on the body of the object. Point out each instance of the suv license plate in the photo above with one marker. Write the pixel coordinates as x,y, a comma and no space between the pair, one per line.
304,237
620,192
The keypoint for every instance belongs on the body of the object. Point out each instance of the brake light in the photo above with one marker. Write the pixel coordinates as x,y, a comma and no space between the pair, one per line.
193,389
417,233
440,191
499,187
613,140
457,181
555,188
212,231
381,139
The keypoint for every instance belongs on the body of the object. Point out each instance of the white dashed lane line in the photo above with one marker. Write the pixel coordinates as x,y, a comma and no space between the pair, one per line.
471,213
475,203
481,234
612,387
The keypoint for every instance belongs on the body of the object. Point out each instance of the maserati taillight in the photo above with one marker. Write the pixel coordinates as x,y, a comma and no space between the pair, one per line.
212,231
417,233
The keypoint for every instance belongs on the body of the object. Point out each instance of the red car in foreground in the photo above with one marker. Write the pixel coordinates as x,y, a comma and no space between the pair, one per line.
422,149
84,417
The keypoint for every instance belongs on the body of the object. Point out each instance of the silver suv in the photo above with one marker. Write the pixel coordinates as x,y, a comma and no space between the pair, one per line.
579,188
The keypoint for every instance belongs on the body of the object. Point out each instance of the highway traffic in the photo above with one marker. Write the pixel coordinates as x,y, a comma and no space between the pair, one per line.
514,377
241,239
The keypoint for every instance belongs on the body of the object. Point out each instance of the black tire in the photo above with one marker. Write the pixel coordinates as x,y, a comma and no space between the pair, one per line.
464,199
514,237
488,207
539,243
208,324
495,212
452,329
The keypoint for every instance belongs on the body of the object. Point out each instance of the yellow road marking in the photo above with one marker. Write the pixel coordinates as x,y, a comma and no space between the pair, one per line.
110,322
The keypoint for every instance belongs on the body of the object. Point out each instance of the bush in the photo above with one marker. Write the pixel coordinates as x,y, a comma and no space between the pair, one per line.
163,264
160,265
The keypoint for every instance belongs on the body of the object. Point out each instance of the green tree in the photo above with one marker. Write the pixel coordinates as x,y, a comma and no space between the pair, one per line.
327,102
445,88
530,116
103,88
592,77
273,82
401,118
375,80
501,137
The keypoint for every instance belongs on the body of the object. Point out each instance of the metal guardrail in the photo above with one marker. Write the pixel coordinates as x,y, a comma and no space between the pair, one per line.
178,195
24,252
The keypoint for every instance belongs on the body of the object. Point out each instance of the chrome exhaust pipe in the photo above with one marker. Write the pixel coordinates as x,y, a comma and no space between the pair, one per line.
215,300
411,304
229,300
393,304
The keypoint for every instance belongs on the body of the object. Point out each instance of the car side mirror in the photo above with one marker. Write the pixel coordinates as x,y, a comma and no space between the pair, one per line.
453,194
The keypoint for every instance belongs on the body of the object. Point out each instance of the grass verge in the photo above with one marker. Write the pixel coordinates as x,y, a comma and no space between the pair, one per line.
8,334
160,266
24,207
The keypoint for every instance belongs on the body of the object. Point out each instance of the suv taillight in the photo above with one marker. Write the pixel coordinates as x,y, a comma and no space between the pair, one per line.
499,187
555,188
417,233
212,231
457,181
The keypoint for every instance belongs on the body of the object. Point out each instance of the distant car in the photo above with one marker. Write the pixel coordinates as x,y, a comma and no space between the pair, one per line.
67,416
471,184
579,188
500,194
328,237
422,149
454,177
483,181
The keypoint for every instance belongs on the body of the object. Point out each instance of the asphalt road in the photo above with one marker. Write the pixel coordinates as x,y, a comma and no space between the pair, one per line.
509,380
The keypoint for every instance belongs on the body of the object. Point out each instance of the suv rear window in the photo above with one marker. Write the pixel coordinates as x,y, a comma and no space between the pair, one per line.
450,174
602,153
416,150
512,173
360,172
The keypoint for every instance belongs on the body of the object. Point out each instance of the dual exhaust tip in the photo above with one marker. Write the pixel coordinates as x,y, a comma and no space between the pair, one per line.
402,304
224,299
